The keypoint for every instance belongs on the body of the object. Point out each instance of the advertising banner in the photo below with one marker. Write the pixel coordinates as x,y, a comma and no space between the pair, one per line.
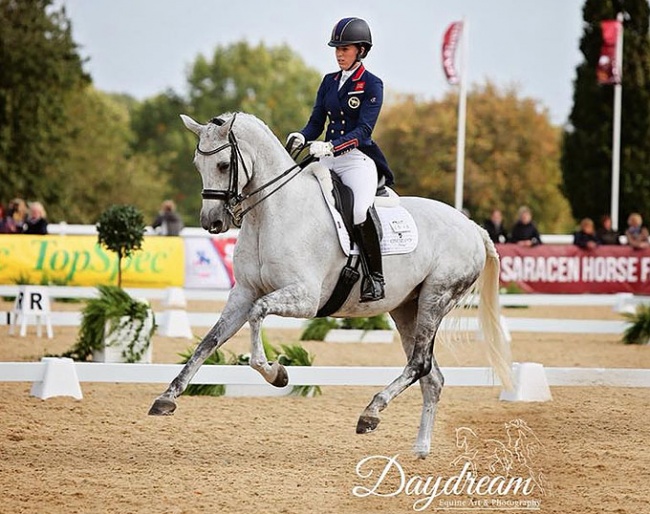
569,269
80,261
208,262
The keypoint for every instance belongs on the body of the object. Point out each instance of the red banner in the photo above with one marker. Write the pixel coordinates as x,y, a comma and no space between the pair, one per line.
569,269
449,45
608,70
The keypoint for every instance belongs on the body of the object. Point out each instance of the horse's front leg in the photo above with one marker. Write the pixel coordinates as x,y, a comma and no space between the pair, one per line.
291,301
232,319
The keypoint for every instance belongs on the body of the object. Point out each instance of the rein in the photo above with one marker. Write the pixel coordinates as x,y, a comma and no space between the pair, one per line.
232,196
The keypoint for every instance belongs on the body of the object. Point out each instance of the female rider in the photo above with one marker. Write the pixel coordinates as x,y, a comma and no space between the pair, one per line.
351,100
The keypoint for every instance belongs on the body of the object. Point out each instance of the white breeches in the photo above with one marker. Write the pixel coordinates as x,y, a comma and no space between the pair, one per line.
357,171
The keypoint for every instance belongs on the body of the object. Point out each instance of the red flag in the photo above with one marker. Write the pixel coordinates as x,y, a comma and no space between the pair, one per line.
608,70
449,44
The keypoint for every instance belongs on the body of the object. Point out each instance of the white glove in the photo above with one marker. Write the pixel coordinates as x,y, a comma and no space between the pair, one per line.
321,149
298,142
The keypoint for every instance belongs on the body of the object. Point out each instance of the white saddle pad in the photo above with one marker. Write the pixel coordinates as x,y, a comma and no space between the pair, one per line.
400,233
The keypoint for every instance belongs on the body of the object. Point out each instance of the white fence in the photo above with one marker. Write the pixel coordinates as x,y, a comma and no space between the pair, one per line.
316,375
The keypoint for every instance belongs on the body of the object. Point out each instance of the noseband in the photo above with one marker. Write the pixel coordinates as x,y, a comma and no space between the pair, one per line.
232,196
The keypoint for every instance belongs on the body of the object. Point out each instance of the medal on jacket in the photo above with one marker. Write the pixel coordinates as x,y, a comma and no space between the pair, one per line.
354,102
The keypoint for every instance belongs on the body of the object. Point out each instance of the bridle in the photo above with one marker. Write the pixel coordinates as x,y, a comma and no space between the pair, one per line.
232,196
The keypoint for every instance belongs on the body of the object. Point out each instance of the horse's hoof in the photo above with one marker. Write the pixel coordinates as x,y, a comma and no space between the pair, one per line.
367,424
421,452
282,377
162,407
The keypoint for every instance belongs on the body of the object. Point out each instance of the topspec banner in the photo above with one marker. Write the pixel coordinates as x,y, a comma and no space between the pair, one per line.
80,261
569,269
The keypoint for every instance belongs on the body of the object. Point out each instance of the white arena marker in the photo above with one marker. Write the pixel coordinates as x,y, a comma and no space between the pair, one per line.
175,323
530,385
32,305
59,379
175,298
624,303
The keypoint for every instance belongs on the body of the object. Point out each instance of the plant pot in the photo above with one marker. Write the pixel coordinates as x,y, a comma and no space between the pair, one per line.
257,390
116,343
343,335
377,336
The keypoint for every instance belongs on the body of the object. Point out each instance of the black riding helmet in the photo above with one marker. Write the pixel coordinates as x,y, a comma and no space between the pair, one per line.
352,31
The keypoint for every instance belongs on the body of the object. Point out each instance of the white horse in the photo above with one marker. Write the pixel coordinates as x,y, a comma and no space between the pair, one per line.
287,261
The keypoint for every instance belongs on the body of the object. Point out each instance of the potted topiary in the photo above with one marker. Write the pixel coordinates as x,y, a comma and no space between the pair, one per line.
375,329
114,326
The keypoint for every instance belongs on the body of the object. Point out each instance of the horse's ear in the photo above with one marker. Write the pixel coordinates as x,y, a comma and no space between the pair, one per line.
192,125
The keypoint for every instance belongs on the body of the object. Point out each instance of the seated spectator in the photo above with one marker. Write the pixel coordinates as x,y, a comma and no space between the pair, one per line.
36,222
16,215
495,228
2,220
605,234
586,236
524,232
168,222
637,235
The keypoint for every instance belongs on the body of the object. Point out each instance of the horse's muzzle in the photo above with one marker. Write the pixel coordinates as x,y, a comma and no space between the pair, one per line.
215,222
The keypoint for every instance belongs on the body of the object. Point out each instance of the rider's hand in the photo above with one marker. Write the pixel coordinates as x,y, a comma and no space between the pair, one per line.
321,149
298,142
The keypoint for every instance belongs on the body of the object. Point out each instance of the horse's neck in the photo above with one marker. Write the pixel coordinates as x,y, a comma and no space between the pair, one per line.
284,199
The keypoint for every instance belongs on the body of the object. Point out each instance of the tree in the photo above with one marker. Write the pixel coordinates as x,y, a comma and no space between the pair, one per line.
272,83
161,137
511,156
587,143
121,229
41,70
100,168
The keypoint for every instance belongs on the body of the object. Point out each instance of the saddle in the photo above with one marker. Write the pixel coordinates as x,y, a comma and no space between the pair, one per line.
344,202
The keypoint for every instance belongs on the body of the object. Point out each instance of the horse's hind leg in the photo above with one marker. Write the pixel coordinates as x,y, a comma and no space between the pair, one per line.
432,305
431,387
231,320
405,318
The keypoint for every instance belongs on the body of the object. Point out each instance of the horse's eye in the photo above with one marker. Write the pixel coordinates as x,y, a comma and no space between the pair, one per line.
223,166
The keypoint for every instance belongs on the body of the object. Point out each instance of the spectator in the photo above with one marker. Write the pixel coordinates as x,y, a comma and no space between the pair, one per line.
36,222
168,222
524,231
605,234
2,220
16,215
494,227
586,236
636,233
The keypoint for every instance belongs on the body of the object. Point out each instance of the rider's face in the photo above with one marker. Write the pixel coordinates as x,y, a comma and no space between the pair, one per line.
346,56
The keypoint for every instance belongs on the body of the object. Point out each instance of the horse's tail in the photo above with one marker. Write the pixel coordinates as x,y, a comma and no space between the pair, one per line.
496,345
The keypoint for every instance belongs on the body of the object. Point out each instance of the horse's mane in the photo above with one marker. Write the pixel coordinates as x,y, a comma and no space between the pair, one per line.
250,120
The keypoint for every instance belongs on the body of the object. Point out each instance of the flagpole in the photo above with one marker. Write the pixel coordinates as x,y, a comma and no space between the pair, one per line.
462,102
616,130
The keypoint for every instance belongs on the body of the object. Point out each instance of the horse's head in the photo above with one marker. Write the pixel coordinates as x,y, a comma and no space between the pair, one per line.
223,169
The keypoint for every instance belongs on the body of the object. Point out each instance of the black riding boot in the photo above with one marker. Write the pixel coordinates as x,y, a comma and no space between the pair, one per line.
372,285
